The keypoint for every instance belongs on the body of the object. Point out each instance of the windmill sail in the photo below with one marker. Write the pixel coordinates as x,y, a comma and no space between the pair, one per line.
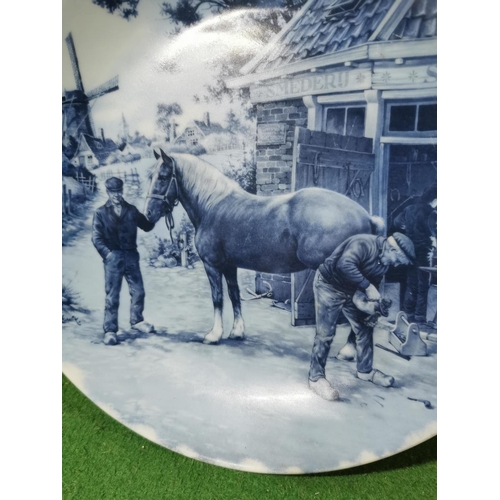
105,88
76,104
74,62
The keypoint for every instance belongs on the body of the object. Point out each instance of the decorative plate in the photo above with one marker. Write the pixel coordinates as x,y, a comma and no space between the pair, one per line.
249,225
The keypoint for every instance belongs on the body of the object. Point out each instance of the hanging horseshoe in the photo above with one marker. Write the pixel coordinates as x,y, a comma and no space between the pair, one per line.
316,168
357,188
393,198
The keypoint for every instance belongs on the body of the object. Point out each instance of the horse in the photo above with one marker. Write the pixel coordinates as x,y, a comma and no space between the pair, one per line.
235,229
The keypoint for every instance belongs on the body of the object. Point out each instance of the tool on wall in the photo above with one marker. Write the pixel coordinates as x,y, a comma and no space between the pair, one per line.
255,296
426,403
316,168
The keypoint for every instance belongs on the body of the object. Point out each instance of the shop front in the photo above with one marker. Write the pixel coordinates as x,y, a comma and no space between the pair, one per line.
360,120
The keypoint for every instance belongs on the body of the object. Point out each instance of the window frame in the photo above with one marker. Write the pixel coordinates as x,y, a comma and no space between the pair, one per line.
345,107
409,133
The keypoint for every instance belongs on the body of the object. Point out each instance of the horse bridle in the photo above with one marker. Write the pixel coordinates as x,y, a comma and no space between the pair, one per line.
169,207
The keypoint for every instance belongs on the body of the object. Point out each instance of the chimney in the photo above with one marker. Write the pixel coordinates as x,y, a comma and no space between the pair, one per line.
207,119
102,135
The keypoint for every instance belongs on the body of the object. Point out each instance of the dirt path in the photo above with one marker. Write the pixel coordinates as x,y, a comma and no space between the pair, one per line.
244,403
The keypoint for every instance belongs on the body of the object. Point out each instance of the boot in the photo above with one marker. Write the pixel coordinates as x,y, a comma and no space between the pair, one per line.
377,377
110,338
143,327
347,353
323,389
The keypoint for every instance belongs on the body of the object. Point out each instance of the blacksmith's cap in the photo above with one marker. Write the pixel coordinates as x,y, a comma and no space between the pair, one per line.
405,244
114,184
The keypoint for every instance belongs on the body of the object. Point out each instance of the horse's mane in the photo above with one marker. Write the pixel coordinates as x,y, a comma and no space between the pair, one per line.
204,181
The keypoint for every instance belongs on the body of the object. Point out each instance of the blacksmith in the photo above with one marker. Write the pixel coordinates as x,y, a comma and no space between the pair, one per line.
419,223
114,234
358,264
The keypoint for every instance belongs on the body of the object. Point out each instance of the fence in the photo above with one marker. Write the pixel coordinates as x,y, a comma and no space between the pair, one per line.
66,200
87,184
130,178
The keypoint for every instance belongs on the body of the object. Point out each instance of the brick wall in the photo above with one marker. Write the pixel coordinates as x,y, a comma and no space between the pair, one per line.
274,161
274,173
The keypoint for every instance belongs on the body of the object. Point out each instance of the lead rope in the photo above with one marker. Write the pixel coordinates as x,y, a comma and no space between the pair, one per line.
169,222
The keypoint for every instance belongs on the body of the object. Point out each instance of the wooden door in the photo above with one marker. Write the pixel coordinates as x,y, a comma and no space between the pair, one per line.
330,161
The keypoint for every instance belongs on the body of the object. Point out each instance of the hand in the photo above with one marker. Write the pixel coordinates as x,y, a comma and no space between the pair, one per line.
372,293
108,256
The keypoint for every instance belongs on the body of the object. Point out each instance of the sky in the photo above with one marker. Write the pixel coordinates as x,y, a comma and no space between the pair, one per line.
135,50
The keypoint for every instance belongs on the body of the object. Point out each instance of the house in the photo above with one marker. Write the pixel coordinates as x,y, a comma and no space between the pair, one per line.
127,149
346,99
142,145
197,131
93,152
125,153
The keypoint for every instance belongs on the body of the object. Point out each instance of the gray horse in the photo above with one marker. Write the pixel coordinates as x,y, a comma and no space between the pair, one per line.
278,234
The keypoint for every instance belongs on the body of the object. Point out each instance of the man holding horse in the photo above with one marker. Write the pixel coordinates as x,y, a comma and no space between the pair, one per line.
114,234
357,265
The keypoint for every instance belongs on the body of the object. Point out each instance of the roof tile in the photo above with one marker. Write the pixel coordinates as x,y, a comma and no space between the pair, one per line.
315,33
431,9
418,8
413,27
429,28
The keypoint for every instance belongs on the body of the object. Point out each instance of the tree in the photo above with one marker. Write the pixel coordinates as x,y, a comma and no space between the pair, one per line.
125,8
165,118
189,12
234,124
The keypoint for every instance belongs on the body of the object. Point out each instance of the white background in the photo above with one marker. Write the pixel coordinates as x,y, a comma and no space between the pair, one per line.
31,251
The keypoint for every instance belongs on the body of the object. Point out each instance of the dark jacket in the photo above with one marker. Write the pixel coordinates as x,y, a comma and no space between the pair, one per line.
110,232
355,264
419,223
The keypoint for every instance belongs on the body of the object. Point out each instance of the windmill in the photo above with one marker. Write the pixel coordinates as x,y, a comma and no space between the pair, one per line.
76,105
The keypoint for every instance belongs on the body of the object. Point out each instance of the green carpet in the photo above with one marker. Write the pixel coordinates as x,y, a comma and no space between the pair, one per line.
102,459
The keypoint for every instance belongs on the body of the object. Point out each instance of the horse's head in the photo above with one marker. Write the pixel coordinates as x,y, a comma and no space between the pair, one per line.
163,193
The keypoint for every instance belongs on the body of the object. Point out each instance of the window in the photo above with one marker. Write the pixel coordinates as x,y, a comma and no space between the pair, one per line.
412,117
346,121
190,132
427,117
343,8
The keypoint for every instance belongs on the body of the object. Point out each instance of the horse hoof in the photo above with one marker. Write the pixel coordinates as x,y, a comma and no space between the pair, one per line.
210,342
233,336
211,339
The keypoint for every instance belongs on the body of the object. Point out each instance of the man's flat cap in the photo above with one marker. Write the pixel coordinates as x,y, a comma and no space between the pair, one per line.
405,244
114,184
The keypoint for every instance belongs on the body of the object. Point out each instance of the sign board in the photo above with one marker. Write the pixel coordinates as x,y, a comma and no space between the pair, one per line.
313,84
405,77
271,133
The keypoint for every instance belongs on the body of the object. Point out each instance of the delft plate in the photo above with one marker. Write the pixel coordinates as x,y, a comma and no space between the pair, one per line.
274,98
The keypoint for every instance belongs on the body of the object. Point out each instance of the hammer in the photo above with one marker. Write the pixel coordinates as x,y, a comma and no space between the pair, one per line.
427,404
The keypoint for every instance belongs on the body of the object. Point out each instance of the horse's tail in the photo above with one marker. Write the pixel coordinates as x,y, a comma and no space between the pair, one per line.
378,225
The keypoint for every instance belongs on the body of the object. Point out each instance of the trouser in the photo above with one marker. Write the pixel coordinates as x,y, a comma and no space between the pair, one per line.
118,265
417,287
329,303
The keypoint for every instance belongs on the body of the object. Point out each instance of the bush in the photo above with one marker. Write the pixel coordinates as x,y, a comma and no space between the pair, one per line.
164,253
184,148
221,142
70,303
245,174
187,228
69,296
